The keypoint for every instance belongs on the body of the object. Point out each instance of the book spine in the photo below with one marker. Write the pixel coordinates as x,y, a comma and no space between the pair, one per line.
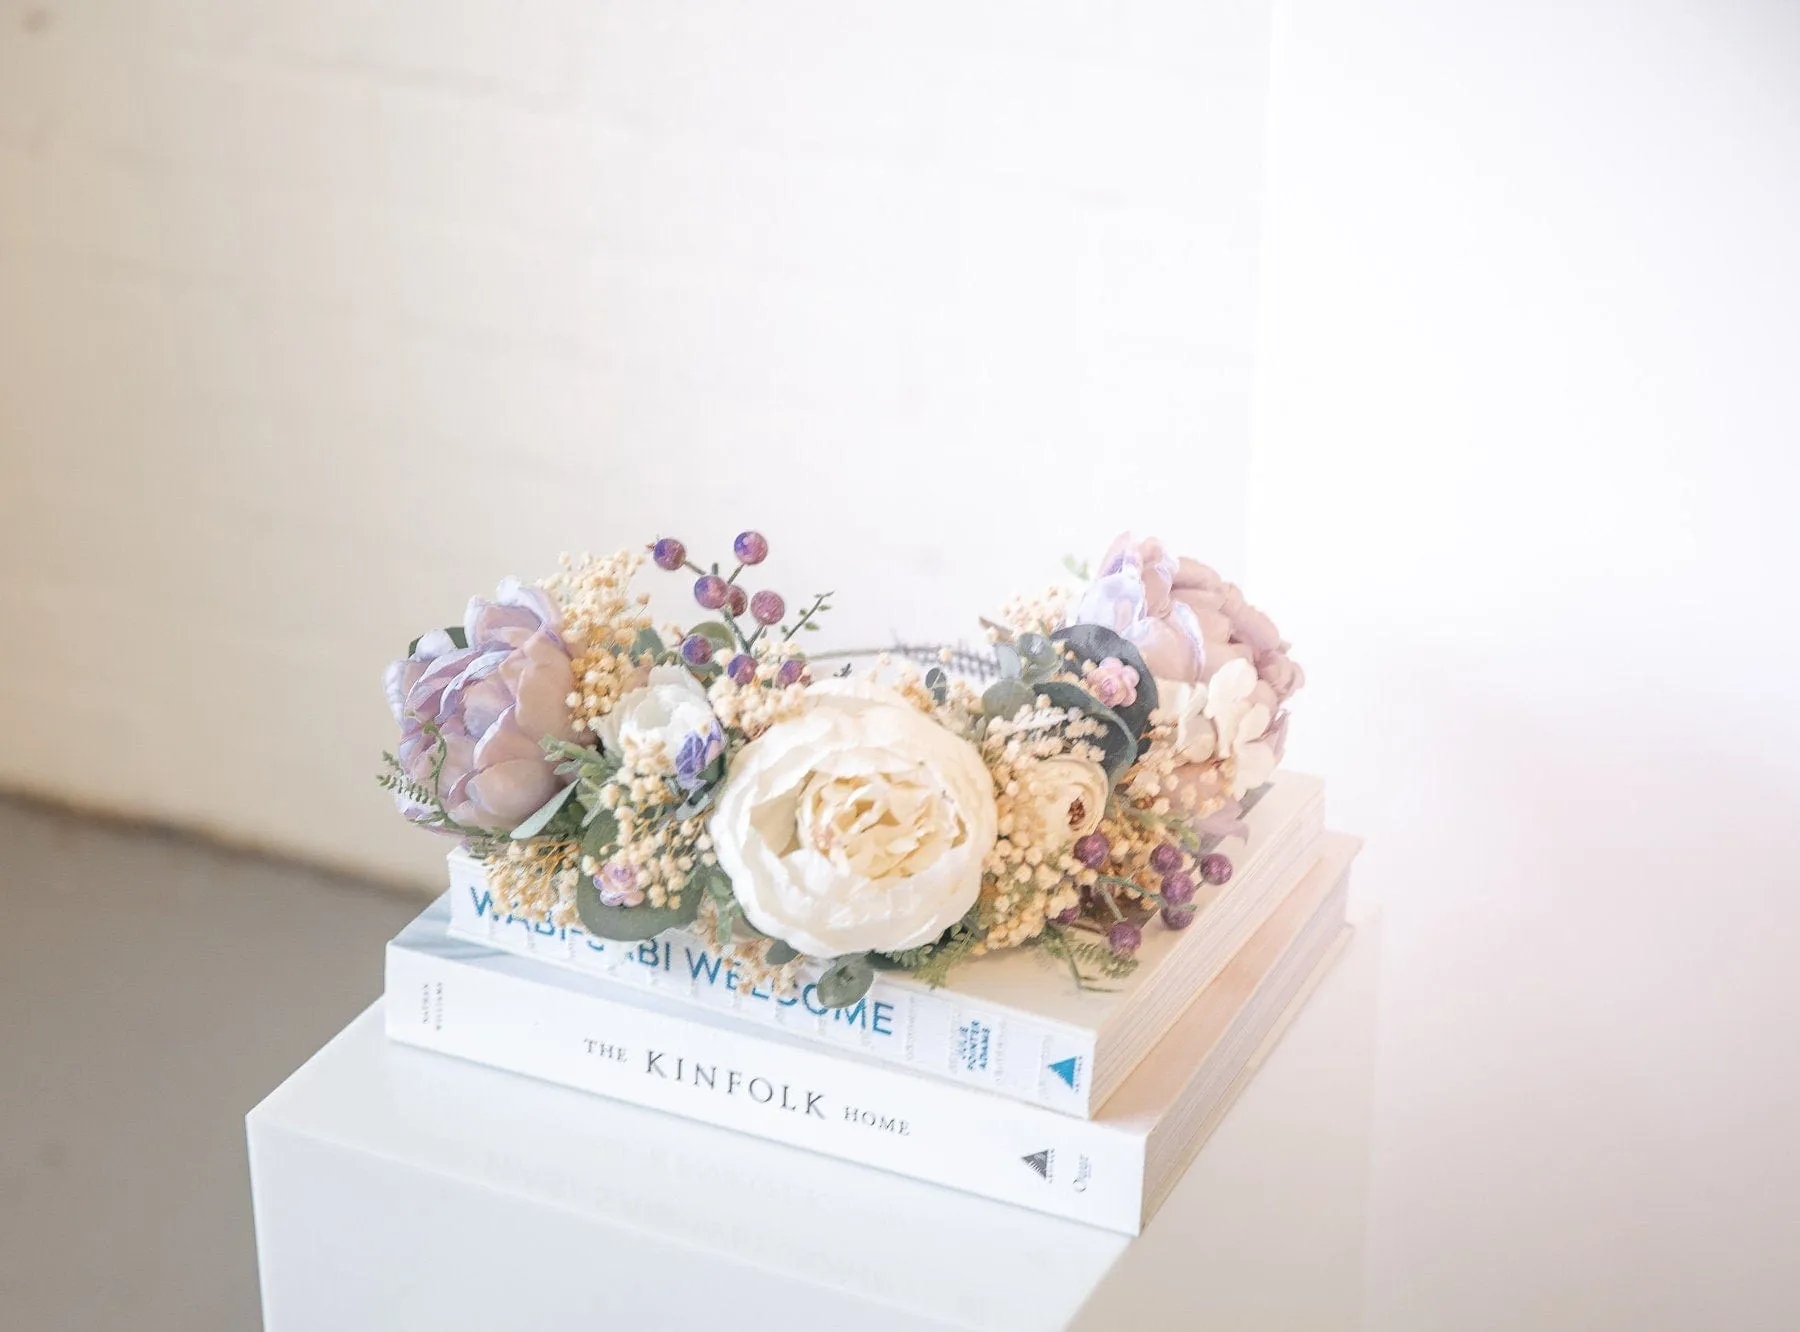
939,1033
770,1087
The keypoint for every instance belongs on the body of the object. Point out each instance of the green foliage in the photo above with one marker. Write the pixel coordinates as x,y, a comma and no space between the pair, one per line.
1117,743
458,639
719,635
1081,643
629,924
1084,956
809,618
845,981
934,968
544,813
648,641
931,962
780,954
1004,698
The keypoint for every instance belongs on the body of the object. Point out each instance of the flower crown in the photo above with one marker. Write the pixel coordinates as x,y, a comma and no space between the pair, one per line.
1057,790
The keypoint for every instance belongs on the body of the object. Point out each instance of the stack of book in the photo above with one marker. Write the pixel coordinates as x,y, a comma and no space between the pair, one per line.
1011,1080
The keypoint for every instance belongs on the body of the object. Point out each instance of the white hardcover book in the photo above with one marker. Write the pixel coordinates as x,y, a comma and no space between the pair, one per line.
1011,1022
634,1044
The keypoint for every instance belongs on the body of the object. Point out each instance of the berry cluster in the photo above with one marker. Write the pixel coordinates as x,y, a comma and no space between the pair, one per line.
716,592
1175,891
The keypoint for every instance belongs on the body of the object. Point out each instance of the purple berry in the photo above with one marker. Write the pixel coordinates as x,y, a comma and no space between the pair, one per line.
767,607
1178,918
1124,937
1216,869
696,649
668,553
1178,888
742,668
711,591
1093,850
1166,859
751,547
791,671
739,600
1067,916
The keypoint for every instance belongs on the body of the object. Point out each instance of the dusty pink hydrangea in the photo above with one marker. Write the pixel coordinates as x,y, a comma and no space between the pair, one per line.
1187,622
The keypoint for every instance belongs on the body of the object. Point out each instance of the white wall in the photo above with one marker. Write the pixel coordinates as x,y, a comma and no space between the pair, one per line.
1526,496
317,317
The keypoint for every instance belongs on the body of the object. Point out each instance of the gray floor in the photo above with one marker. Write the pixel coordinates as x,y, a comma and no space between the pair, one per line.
153,990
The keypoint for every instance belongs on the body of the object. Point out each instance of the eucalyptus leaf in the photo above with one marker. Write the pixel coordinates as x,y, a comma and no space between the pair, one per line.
628,924
1083,643
1003,698
718,634
545,812
938,683
780,954
1007,658
847,980
602,833
648,640
458,639
1118,745
1040,657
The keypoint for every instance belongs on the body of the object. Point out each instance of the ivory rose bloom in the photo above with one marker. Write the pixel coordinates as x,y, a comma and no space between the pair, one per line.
1068,798
669,710
859,825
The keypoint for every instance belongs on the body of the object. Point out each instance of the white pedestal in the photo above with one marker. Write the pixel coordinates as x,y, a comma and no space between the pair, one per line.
397,1189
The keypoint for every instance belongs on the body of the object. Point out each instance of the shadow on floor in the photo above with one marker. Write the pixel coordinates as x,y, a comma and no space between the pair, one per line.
153,990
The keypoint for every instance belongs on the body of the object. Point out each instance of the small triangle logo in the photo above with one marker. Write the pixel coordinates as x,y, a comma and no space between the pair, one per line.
1039,1161
1065,1069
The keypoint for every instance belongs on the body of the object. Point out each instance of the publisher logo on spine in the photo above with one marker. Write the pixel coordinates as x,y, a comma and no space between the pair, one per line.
1043,1163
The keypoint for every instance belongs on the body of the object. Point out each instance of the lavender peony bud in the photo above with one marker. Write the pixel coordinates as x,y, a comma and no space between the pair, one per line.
484,710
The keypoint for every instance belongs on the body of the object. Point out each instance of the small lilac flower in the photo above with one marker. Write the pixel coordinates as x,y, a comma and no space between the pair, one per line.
742,668
696,755
668,553
791,672
1113,683
751,547
618,885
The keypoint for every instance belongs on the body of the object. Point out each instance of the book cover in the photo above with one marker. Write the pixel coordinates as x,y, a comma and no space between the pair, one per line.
496,1008
1011,1022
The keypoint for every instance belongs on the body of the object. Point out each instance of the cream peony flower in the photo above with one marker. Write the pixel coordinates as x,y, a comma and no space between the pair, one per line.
861,824
1226,718
1186,704
1068,798
668,708
1240,719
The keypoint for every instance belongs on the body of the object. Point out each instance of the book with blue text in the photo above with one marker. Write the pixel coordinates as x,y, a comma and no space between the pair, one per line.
637,1045
1011,1022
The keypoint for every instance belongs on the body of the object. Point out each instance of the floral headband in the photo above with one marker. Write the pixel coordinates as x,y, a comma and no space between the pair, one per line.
1058,790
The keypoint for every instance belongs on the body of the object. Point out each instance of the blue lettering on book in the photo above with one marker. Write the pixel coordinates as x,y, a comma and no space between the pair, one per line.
483,899
705,967
973,1041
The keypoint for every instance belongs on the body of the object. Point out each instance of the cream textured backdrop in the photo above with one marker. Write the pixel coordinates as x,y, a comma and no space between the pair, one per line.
317,317
1525,492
